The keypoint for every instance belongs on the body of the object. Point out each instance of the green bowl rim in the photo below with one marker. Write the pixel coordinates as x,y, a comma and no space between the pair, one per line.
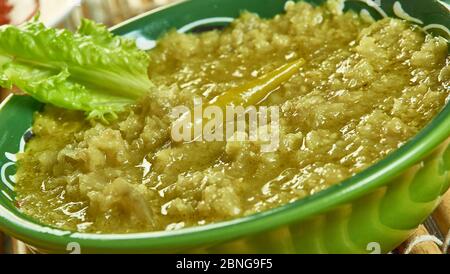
435,133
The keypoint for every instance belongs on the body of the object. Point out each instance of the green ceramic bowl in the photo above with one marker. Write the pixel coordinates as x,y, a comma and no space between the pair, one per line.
373,211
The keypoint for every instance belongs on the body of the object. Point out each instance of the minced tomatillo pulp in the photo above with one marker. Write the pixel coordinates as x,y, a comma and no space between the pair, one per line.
364,90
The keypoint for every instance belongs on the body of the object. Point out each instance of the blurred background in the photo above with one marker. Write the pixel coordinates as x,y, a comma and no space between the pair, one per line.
67,13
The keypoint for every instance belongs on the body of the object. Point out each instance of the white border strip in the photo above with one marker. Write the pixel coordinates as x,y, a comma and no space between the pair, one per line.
205,21
401,13
437,26
7,99
7,195
5,181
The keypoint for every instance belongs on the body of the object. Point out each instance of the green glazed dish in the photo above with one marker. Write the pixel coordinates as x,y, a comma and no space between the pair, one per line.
371,212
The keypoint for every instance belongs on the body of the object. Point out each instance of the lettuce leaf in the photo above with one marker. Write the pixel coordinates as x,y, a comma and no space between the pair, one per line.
90,70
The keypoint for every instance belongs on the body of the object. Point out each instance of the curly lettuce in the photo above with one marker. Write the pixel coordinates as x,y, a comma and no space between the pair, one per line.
90,70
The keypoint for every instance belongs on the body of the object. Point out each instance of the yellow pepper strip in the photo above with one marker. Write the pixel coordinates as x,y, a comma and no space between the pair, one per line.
254,92
251,93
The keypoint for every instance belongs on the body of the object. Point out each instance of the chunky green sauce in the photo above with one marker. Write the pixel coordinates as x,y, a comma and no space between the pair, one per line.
366,88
